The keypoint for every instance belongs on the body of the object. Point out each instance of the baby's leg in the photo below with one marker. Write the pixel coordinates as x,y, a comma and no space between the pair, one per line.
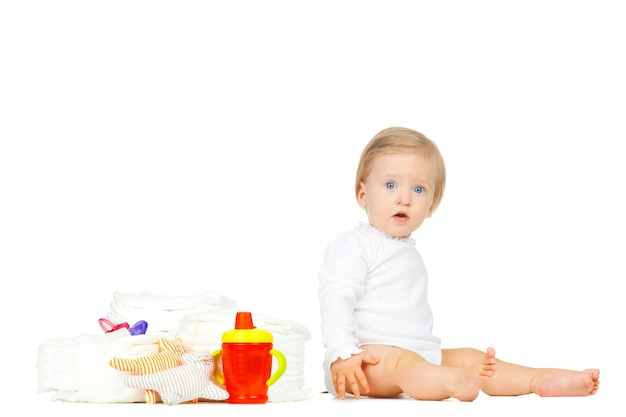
513,379
400,370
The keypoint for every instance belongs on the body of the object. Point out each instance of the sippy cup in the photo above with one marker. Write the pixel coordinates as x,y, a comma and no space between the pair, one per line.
247,362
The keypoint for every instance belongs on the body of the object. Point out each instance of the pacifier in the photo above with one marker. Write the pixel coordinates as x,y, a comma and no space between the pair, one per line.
138,328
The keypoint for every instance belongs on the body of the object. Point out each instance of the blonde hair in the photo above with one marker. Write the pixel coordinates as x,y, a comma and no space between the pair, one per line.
396,140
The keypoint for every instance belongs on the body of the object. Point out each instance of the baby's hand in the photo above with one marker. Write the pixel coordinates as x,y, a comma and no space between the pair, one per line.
350,371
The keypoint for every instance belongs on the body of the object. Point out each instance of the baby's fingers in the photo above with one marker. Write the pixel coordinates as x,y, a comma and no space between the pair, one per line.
363,381
339,381
354,384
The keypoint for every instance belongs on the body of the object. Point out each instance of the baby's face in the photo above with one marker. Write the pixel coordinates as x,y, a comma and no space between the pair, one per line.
398,193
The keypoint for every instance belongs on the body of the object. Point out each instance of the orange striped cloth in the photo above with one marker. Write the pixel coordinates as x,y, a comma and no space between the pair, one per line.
169,356
188,382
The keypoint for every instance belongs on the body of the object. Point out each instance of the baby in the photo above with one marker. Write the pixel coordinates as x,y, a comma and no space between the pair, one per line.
376,319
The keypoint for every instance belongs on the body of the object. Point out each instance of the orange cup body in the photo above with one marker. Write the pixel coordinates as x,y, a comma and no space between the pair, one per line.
247,367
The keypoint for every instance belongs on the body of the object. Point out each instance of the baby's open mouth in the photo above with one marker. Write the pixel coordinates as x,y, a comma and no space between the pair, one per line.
400,215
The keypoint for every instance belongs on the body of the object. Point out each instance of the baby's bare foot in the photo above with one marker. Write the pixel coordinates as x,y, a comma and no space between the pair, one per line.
564,383
474,377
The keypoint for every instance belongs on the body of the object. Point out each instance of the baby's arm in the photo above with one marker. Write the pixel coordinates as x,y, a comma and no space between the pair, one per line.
350,372
341,282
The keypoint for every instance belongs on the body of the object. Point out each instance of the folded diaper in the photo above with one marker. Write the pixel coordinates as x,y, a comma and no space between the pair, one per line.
163,312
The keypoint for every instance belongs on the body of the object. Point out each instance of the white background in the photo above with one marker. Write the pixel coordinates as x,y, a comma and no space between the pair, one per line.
192,145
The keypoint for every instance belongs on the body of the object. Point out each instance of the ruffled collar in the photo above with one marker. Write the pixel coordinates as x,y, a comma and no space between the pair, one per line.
367,226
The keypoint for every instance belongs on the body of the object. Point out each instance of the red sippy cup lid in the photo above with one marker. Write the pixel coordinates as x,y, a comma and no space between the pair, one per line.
243,320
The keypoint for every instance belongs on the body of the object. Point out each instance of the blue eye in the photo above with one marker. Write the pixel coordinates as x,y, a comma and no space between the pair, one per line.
418,190
390,185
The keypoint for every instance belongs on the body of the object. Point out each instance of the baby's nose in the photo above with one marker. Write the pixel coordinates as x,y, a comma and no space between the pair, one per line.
403,198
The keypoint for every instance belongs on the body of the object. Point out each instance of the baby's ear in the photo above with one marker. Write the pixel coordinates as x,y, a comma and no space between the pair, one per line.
361,195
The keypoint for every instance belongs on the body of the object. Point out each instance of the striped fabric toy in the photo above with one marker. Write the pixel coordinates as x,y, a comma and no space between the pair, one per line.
187,382
169,356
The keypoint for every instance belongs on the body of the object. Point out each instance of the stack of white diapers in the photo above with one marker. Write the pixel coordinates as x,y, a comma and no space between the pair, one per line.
77,368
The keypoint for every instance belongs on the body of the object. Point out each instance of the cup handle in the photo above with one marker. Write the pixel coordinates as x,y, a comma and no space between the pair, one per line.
216,372
282,367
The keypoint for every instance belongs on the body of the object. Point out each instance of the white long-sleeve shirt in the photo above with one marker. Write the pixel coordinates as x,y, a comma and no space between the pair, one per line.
373,289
